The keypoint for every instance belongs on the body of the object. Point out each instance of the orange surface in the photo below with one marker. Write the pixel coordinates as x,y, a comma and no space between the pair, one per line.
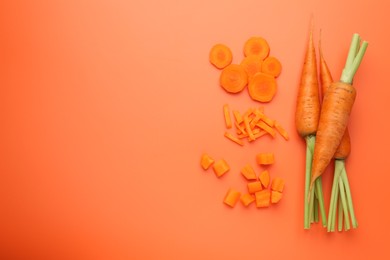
107,106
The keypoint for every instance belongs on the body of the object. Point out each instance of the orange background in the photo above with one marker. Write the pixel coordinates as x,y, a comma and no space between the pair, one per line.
106,107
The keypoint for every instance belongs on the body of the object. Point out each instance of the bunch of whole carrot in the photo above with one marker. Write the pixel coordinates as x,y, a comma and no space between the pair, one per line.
323,125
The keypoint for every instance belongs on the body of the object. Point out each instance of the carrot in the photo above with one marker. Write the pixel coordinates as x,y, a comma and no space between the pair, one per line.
306,122
281,130
340,182
276,196
277,184
262,87
206,161
271,66
233,138
231,197
264,178
248,172
233,78
226,113
263,198
247,199
266,128
256,46
254,187
238,117
265,158
221,167
252,65
220,56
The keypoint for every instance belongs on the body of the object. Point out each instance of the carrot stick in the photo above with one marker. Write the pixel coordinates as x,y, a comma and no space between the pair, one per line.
233,138
226,113
220,56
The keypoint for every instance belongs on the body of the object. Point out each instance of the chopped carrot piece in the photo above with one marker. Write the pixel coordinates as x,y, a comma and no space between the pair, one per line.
238,117
247,199
256,46
265,158
263,198
271,66
252,65
220,167
233,138
254,186
226,112
248,128
281,130
267,120
233,78
248,172
264,178
206,161
267,128
231,198
262,87
276,196
240,128
260,133
277,184
220,56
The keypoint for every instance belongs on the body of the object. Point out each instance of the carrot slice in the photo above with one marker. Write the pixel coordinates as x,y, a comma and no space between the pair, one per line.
277,184
265,158
252,65
228,119
281,130
233,78
231,197
206,161
264,178
247,199
220,56
233,138
271,66
254,186
276,196
248,172
262,87
263,198
220,167
256,46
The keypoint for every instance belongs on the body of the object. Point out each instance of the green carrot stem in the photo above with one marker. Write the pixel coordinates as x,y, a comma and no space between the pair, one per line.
316,209
341,215
344,203
334,194
349,198
310,141
320,195
332,229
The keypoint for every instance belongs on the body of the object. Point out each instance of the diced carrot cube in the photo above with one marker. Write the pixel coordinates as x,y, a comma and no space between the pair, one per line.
231,198
276,196
264,178
265,158
206,161
254,186
221,167
277,184
247,199
263,198
248,172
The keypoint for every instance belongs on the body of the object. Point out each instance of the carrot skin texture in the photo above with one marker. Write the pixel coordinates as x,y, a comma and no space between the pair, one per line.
308,102
336,109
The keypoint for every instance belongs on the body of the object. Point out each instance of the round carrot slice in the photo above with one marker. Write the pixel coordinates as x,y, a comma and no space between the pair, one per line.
256,46
271,66
262,87
233,78
220,56
252,65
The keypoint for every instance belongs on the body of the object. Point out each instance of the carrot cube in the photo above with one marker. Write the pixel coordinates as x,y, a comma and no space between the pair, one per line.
264,178
265,158
263,198
231,198
276,196
277,184
248,172
220,167
206,161
254,187
247,199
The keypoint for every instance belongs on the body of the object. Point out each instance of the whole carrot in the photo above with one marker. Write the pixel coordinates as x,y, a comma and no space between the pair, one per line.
306,122
335,111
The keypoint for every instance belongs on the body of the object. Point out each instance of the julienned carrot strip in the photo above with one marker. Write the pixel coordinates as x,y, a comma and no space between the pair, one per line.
248,128
220,167
220,56
247,199
265,158
226,113
248,172
233,138
206,161
264,178
260,134
267,128
263,198
276,196
231,197
240,129
238,117
267,120
277,184
281,130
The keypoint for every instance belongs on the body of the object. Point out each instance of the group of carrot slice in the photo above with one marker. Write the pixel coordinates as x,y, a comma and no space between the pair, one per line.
259,189
257,70
250,125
